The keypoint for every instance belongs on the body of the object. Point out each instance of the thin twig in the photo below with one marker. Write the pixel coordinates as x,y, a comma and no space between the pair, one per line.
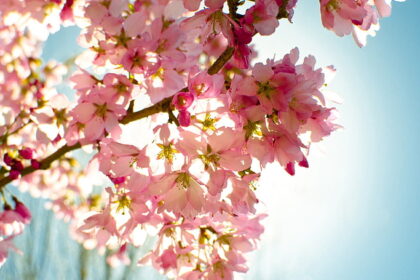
283,13
233,8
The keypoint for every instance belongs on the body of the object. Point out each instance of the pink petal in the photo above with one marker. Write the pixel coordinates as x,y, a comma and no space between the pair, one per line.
122,149
235,161
262,73
94,128
84,112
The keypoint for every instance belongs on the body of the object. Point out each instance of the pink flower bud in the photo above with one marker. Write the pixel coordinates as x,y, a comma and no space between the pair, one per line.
23,211
184,118
304,163
26,153
8,159
56,139
118,180
290,168
14,174
39,95
182,100
35,164
67,11
17,165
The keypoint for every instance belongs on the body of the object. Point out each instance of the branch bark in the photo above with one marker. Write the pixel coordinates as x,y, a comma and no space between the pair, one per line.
233,8
161,106
221,61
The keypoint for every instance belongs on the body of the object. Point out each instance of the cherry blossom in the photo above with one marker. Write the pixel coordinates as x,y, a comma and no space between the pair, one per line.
174,118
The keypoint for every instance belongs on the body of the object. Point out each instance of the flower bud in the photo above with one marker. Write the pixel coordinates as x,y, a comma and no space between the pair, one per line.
17,165
14,174
118,180
23,211
8,159
304,163
26,153
184,118
290,168
35,164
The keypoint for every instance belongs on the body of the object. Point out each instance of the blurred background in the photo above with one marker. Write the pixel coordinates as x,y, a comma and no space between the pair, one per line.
353,215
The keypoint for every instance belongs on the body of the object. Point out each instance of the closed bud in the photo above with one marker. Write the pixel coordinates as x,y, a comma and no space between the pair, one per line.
26,153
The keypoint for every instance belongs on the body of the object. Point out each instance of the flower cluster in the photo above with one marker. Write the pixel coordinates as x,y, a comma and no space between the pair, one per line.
358,17
178,120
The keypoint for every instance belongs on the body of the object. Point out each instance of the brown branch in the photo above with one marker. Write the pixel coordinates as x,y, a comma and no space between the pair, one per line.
282,10
45,163
233,8
160,107
221,61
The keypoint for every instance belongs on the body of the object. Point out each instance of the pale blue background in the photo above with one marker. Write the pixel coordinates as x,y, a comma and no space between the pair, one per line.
355,214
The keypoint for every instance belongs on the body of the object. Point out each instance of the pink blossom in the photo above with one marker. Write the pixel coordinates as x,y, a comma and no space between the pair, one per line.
119,257
5,245
205,85
101,225
98,114
140,59
180,193
263,16
243,197
120,160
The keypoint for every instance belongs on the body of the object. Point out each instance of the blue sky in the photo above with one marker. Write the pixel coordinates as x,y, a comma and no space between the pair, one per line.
355,213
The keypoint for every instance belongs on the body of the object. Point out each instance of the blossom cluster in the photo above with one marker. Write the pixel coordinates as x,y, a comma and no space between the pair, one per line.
357,17
178,120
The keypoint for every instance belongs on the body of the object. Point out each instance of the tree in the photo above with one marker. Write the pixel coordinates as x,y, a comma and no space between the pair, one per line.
179,75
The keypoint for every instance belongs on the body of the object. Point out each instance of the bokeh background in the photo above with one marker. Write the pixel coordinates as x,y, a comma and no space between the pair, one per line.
353,215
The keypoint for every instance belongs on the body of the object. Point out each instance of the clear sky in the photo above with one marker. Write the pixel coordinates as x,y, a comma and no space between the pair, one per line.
355,213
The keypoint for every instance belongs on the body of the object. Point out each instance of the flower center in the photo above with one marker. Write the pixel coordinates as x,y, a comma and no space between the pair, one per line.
167,152
266,89
183,180
253,129
208,123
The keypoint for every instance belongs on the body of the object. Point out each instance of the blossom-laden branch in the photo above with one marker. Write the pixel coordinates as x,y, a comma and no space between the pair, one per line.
197,177
160,107
44,164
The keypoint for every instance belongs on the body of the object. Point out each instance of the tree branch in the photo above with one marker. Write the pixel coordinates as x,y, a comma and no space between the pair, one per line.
160,107
282,10
45,163
221,61
233,8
